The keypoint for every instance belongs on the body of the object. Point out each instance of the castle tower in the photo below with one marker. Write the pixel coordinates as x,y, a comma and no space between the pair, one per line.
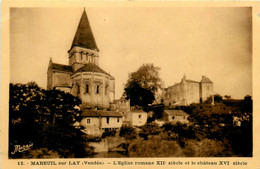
206,88
83,49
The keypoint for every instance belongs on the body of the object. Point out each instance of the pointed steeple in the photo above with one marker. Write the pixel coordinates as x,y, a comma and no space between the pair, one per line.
84,36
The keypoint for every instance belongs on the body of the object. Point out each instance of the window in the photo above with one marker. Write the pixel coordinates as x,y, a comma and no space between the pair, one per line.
107,120
88,121
87,88
173,117
97,89
118,119
81,55
184,117
87,56
140,116
78,92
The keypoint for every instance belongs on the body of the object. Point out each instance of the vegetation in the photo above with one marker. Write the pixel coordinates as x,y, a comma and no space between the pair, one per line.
222,130
142,85
128,132
44,119
108,133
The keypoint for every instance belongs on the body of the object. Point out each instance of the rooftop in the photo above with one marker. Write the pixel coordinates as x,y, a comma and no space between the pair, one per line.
176,112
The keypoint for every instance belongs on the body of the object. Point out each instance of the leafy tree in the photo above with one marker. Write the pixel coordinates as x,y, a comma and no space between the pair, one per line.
128,132
45,119
143,85
217,99
149,129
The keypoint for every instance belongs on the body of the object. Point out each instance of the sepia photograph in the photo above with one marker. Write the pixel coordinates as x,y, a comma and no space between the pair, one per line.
130,82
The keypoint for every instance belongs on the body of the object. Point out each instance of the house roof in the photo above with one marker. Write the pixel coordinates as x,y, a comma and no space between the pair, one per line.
109,114
60,67
84,36
89,113
176,112
137,111
93,113
205,80
92,68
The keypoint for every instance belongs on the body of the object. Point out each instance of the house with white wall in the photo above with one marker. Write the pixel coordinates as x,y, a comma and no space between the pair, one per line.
137,117
175,116
96,122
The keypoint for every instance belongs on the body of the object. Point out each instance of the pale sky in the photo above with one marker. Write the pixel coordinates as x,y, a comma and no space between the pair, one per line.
215,42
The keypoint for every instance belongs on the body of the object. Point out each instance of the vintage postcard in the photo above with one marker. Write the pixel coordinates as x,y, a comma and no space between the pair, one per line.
130,84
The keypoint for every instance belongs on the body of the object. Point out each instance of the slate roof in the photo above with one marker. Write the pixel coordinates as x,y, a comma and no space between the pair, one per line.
60,67
176,112
109,114
89,113
92,68
93,113
137,111
84,36
191,81
205,80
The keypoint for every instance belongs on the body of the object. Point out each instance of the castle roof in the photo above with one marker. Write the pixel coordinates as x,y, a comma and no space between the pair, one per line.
176,112
191,81
60,67
92,68
84,36
205,80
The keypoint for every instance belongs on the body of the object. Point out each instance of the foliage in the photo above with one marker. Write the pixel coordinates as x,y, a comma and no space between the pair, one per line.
205,148
44,118
149,129
142,85
108,133
154,147
128,132
217,99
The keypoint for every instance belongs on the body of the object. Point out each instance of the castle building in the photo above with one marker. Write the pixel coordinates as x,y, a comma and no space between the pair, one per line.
83,77
188,91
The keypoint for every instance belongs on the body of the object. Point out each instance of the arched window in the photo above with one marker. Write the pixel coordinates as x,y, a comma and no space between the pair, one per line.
87,88
87,56
98,90
81,55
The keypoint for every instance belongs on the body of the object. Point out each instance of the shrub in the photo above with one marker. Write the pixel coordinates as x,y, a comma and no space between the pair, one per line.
128,132
109,133
155,147
149,129
205,148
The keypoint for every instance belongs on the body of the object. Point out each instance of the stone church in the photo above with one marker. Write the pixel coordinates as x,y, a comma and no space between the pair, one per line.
188,91
82,76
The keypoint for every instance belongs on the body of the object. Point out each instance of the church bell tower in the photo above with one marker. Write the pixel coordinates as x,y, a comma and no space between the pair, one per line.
84,49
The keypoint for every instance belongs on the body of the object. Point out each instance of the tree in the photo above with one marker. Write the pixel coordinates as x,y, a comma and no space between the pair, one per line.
44,118
143,85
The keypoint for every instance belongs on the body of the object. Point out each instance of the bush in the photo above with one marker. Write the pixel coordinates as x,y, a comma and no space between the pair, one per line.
128,132
155,147
109,133
205,148
149,129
